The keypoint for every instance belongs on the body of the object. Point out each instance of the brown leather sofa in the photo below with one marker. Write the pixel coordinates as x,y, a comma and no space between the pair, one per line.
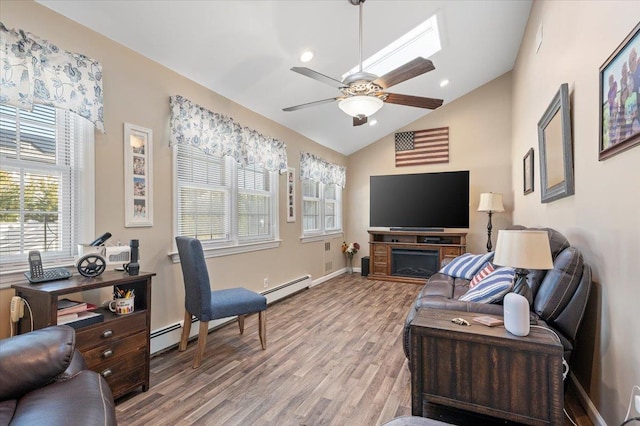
45,381
559,295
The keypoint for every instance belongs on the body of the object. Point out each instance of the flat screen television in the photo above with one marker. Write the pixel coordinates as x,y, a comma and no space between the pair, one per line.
420,201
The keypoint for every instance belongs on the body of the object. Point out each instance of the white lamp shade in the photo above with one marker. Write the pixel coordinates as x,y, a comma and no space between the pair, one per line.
361,105
523,249
490,202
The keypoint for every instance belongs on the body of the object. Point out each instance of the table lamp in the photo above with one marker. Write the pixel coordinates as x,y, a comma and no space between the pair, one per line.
522,250
490,203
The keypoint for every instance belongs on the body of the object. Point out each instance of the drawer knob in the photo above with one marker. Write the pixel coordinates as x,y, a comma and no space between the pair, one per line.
107,353
106,373
107,333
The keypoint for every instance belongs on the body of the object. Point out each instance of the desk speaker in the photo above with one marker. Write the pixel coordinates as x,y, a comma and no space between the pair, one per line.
365,266
516,314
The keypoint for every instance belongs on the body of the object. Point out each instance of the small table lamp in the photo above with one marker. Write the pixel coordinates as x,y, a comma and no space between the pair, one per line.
490,203
522,250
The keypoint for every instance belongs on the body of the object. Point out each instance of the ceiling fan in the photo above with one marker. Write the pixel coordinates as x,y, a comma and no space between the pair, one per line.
363,93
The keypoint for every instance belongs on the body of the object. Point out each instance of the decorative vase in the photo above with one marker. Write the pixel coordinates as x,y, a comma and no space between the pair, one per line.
349,264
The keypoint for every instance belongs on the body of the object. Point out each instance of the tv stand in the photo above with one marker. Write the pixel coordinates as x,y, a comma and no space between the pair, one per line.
418,229
383,243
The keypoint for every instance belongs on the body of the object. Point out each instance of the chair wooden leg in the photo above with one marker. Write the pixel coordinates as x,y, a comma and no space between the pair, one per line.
186,330
202,342
262,324
241,323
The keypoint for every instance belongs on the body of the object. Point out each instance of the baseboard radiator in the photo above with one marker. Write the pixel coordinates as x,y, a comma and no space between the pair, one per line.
169,336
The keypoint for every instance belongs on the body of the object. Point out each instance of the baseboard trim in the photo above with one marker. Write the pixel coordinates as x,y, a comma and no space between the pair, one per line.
587,404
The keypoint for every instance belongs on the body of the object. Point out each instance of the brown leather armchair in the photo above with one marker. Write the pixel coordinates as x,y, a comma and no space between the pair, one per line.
46,381
560,294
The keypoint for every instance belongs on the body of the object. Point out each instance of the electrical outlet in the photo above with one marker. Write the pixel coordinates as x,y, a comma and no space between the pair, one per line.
266,282
638,403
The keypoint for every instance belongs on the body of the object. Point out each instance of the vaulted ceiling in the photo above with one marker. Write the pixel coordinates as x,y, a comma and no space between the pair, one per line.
244,50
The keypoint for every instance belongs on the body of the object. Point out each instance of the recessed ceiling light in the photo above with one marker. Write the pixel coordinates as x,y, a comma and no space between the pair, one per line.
444,83
373,122
306,56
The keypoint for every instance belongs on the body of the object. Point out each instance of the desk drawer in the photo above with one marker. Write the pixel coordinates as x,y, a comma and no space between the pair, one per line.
113,352
125,374
110,331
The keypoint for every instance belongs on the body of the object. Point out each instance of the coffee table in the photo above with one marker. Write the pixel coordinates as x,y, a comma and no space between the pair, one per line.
485,370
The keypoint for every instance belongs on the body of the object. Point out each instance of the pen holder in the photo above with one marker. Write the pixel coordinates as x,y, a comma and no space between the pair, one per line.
122,306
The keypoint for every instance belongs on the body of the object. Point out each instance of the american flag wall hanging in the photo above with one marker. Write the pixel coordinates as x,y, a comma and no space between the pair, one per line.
418,147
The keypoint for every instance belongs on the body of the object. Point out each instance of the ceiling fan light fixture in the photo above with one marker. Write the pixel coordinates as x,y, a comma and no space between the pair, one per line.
361,105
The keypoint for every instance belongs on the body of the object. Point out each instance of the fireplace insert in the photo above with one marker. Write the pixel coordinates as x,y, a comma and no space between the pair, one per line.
414,262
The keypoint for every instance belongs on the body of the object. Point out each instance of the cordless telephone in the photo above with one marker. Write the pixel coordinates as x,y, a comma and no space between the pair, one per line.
37,274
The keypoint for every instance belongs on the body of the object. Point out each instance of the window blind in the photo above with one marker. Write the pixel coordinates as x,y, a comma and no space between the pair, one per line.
221,202
254,203
203,195
41,172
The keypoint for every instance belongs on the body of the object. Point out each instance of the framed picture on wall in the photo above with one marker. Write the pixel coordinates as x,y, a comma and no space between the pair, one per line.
527,172
619,98
138,176
556,152
291,194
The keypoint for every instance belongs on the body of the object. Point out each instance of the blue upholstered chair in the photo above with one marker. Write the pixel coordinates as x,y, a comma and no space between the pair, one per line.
206,305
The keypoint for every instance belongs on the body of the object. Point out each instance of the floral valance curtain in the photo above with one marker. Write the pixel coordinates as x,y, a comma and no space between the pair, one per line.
319,170
219,135
35,71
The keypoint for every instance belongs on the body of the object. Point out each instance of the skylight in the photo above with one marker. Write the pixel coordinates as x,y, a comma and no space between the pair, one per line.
423,40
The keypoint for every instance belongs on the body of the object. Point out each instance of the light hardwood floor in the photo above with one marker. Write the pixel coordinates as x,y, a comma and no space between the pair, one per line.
334,357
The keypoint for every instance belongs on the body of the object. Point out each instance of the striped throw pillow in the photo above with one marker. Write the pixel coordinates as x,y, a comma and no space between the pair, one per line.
492,289
467,265
481,275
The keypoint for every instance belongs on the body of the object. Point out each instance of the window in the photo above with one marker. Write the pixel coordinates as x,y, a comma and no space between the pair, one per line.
46,191
222,203
321,208
423,40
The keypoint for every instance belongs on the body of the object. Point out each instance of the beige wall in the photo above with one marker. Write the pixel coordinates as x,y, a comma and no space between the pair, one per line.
490,131
137,91
479,141
602,219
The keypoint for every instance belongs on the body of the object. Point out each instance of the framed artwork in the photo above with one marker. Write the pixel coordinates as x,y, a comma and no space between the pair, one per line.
291,194
527,172
138,176
556,153
619,98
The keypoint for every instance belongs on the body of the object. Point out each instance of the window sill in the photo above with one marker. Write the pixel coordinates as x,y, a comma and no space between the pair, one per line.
320,237
230,250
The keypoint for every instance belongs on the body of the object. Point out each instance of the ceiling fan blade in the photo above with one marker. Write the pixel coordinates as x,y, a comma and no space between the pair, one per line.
310,104
317,76
414,101
405,72
359,121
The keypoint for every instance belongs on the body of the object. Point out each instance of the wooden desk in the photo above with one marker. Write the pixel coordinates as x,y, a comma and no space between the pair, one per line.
119,347
485,370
